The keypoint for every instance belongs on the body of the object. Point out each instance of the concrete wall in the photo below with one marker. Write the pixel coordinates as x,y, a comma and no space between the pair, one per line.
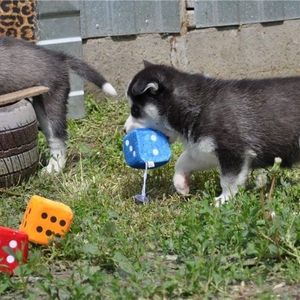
234,52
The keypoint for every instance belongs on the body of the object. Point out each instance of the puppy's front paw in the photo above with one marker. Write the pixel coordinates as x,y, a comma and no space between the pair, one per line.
221,200
54,166
181,184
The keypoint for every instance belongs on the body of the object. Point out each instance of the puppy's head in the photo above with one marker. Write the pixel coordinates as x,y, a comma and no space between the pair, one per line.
148,98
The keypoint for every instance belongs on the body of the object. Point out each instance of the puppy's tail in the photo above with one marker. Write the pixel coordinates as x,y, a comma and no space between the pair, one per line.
89,73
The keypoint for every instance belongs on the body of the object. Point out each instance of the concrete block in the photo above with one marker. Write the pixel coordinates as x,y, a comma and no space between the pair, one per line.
119,58
256,50
248,51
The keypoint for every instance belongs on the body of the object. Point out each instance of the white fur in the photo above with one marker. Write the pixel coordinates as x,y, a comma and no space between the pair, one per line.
151,111
151,85
192,159
200,157
231,183
109,89
58,156
206,144
57,147
133,123
152,119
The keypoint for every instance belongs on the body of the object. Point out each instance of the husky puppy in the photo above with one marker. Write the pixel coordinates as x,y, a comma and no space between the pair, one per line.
24,65
234,125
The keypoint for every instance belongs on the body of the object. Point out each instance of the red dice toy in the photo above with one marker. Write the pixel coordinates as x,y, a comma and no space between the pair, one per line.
15,240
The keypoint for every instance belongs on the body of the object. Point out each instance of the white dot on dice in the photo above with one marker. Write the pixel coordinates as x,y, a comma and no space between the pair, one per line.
153,137
155,151
130,148
127,143
13,244
10,259
134,153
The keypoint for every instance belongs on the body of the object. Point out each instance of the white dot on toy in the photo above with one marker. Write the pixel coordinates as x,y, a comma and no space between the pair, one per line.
153,137
155,152
10,259
13,244
146,148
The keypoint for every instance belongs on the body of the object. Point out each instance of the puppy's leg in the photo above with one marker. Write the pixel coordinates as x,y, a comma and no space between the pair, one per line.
186,165
234,173
51,115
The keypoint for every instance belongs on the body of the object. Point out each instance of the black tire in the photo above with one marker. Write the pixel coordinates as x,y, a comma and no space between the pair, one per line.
18,143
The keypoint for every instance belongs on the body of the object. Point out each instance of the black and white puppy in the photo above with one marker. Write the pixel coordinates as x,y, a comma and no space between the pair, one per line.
234,125
24,65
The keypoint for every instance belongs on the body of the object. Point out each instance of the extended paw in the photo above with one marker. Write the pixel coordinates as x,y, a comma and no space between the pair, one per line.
55,165
223,198
181,184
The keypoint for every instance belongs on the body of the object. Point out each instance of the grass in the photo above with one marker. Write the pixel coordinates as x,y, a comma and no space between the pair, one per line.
174,247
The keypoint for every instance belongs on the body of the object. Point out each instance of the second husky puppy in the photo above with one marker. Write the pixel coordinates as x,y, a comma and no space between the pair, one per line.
234,125
23,65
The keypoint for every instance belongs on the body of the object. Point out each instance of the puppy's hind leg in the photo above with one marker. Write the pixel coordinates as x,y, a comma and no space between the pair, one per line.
51,115
186,165
234,173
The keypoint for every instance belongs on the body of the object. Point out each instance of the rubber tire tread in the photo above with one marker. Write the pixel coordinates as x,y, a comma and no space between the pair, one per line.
18,143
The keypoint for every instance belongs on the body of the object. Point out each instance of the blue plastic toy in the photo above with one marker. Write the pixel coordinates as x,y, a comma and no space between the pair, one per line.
146,148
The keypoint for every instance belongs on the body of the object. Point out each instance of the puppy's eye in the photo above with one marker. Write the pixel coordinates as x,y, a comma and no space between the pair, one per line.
135,111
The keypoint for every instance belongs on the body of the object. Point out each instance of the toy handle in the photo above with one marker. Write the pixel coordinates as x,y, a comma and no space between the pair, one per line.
143,198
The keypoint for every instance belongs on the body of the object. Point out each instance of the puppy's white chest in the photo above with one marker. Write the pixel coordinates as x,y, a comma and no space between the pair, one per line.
206,144
204,149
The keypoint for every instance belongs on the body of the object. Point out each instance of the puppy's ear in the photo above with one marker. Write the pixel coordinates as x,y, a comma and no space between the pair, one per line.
147,63
141,87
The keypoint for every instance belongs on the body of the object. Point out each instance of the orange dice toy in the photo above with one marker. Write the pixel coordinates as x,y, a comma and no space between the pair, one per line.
44,219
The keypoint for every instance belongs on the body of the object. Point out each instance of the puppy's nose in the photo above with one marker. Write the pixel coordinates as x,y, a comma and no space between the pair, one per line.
124,130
